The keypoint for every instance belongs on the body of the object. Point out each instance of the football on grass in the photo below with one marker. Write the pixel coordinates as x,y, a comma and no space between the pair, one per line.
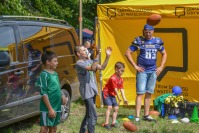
128,125
153,19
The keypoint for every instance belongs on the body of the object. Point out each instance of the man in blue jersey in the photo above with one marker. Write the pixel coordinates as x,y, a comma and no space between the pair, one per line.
147,72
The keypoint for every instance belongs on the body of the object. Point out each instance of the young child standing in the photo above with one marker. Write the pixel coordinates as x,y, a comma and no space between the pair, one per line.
52,98
110,90
88,87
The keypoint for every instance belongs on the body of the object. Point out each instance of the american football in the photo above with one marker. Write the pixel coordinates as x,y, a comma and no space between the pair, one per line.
154,112
153,19
128,125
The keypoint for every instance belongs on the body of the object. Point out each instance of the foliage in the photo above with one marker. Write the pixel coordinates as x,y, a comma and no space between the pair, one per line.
59,9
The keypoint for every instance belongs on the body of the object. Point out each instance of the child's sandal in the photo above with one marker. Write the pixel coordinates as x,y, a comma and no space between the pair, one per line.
107,126
113,125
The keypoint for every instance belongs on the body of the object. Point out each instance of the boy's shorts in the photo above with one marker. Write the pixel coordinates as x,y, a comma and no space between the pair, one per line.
109,100
145,82
45,120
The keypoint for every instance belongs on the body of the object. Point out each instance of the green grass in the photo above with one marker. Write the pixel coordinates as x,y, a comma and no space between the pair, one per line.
73,123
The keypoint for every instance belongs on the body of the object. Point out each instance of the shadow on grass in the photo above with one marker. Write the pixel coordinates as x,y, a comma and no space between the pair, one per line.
119,116
24,124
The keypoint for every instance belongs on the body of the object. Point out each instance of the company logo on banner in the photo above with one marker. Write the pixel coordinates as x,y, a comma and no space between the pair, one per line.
163,89
129,12
132,12
187,11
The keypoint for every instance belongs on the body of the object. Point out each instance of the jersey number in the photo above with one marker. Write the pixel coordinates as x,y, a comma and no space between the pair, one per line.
150,54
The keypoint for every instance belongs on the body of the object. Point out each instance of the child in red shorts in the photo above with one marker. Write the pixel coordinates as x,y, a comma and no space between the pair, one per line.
110,90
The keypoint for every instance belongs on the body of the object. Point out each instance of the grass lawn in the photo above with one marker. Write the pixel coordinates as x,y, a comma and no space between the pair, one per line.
73,123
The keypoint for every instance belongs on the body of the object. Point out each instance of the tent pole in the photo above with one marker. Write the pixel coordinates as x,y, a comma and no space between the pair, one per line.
100,72
80,22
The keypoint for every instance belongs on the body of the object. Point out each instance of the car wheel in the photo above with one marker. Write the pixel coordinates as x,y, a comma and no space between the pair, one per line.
65,109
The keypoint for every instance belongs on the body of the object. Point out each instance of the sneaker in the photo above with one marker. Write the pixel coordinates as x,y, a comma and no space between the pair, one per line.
114,125
148,118
107,126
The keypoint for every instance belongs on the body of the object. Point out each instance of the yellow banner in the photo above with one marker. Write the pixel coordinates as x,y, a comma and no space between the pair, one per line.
177,30
128,11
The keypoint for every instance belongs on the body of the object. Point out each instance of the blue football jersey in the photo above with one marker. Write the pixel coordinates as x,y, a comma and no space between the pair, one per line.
148,51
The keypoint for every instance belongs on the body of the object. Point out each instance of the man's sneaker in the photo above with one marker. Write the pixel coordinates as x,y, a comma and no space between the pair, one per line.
114,125
107,126
148,118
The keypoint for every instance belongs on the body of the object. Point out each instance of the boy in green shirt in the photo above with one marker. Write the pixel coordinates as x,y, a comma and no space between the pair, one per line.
52,98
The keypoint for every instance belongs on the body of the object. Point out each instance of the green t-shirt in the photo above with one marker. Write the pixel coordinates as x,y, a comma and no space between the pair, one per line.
50,86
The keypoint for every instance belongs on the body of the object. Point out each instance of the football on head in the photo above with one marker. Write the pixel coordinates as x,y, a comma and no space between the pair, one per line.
153,19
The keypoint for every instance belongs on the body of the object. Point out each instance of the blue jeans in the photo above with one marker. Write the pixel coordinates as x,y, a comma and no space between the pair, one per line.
90,117
145,82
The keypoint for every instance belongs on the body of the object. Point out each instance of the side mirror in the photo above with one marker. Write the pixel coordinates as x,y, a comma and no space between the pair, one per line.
4,59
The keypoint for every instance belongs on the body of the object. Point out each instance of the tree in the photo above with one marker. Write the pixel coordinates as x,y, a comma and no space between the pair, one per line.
59,9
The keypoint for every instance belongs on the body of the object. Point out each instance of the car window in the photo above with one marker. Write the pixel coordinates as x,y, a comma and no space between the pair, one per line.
7,41
28,31
63,41
63,45
34,39
6,36
9,81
